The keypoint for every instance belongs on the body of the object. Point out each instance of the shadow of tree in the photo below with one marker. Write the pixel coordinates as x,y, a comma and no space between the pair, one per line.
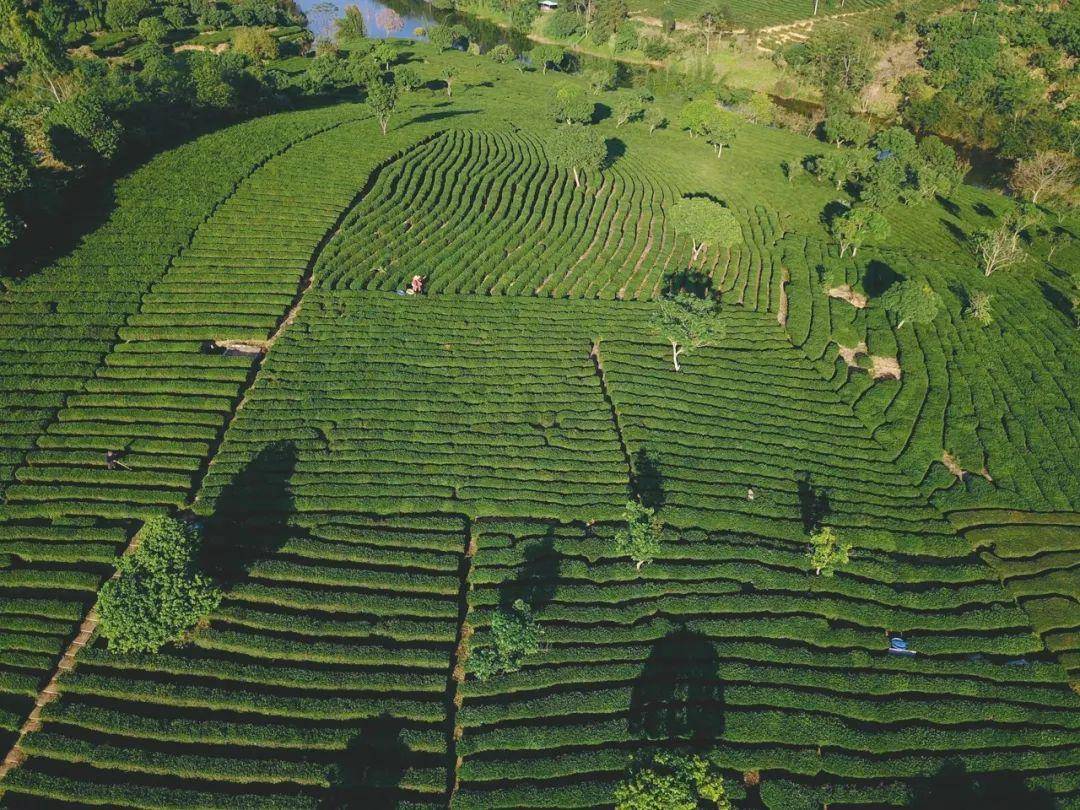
537,579
679,694
1058,300
439,115
690,281
370,769
953,788
878,278
251,516
648,480
813,504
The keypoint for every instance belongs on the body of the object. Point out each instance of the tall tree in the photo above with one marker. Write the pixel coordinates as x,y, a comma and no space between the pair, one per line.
514,636
827,552
641,536
673,780
159,594
578,148
351,26
22,31
688,322
1049,173
706,223
382,98
911,300
857,226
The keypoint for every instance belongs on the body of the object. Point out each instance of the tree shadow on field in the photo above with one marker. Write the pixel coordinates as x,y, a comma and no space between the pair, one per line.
953,788
648,480
428,117
616,148
679,694
601,112
813,504
366,775
251,516
948,205
1058,300
537,578
955,231
690,281
878,278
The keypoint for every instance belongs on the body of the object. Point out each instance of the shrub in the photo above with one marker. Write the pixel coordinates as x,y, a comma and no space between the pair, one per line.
514,635
564,25
125,14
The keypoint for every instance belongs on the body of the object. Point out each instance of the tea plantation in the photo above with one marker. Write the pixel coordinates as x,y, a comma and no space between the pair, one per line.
379,477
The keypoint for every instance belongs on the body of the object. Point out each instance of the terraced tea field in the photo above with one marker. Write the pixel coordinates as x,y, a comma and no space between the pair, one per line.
377,475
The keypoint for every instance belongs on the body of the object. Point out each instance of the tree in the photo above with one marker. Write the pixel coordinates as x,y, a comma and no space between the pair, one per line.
351,26
256,43
702,117
843,127
153,29
122,15
571,106
522,15
449,73
999,247
937,170
159,594
978,307
628,108
688,322
578,148
706,223
407,79
502,54
839,62
714,21
81,130
546,56
827,552
672,780
1051,173
791,169
641,537
383,53
23,32
911,300
382,98
857,226
514,635
442,37
840,165
606,18
14,178
389,20
720,131
656,120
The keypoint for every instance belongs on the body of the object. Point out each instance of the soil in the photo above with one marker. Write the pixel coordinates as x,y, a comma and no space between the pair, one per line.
884,368
845,293
851,354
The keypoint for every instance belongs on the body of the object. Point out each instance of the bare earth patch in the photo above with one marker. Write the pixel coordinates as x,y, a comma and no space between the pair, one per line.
845,293
884,368
851,354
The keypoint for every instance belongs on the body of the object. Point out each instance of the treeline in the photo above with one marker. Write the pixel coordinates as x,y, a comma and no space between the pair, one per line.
69,115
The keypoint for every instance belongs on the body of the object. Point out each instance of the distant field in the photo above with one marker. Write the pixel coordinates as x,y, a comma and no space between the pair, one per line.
377,473
756,13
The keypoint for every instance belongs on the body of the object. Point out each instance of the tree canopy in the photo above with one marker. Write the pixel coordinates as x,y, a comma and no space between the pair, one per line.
640,538
706,223
911,300
827,552
672,780
857,226
514,635
688,322
578,148
159,594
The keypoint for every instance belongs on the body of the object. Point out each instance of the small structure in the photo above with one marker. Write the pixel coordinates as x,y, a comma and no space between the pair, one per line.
898,646
548,5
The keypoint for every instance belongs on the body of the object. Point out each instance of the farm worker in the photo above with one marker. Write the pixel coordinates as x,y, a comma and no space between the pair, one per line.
417,285
749,494
112,460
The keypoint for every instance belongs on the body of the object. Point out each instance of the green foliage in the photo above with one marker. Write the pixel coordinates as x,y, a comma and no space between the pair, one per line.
706,222
564,24
571,105
14,178
125,14
688,322
978,307
627,108
256,43
704,118
514,636
522,13
159,594
827,552
382,98
858,225
351,25
607,16
641,537
579,148
502,54
838,61
153,29
673,780
545,56
843,127
443,37
911,300
81,130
